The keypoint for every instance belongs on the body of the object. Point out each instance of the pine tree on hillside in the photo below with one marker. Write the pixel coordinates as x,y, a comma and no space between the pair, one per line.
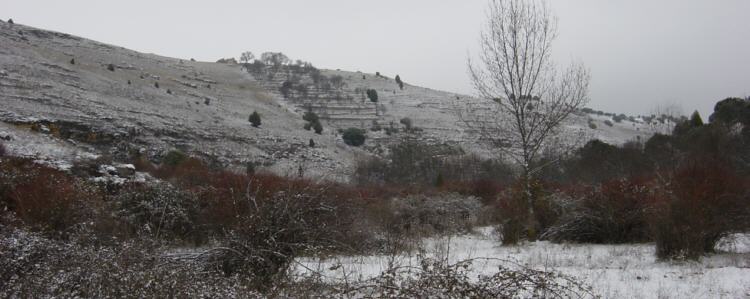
254,119
399,82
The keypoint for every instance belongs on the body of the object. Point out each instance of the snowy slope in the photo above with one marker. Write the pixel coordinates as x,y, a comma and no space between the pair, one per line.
104,99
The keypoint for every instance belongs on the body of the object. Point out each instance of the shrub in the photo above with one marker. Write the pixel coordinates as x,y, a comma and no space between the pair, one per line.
608,123
703,202
619,118
72,61
44,198
399,82
111,67
423,215
592,125
312,142
317,127
158,210
254,119
354,136
156,84
313,122
614,212
439,279
3,151
407,123
274,222
286,88
372,95
517,223
250,169
32,266
174,158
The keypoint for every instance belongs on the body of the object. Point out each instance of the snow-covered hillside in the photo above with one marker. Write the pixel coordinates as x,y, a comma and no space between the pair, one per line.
107,100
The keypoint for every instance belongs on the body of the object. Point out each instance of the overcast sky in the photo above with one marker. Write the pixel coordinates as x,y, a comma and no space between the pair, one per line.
642,53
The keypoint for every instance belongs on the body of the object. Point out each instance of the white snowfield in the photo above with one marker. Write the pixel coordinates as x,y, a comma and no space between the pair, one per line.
104,99
614,271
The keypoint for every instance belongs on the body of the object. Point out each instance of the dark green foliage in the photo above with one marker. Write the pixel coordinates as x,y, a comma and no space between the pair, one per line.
696,120
731,111
111,67
312,142
317,127
399,82
174,158
72,61
598,162
169,91
372,95
313,122
310,117
156,84
254,119
354,136
686,126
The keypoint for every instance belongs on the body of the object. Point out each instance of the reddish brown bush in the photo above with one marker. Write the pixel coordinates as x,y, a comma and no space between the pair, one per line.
702,202
517,223
45,198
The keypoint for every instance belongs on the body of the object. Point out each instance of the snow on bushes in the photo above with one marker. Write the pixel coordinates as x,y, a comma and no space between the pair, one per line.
611,213
33,266
438,279
158,210
444,213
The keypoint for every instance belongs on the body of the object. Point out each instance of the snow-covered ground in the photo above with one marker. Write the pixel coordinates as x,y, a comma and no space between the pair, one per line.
614,271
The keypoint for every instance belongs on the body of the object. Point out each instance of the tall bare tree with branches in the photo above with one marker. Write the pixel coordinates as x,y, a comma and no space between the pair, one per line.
524,98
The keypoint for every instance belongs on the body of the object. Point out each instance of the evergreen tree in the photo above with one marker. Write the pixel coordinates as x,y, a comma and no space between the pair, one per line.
254,119
399,82
696,120
317,127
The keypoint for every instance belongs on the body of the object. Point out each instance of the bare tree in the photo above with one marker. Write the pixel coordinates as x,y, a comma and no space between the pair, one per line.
246,57
524,98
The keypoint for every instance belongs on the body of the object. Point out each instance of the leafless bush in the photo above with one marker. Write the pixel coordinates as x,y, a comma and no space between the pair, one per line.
444,213
278,227
33,266
437,279
614,212
157,210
